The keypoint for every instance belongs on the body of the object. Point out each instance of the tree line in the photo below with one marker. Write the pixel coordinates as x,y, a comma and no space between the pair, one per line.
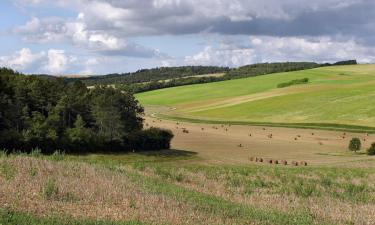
166,77
237,73
149,75
50,114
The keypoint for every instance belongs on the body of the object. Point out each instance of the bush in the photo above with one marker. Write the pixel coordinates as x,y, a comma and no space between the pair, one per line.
293,82
151,139
355,144
371,150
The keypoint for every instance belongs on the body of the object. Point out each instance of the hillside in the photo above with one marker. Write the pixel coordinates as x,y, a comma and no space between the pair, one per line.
156,74
333,95
168,188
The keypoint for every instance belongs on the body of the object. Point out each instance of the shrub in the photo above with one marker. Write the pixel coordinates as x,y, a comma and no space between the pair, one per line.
355,144
293,82
371,150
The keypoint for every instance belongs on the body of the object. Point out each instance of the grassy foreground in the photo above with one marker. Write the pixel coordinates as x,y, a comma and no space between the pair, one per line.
178,189
338,96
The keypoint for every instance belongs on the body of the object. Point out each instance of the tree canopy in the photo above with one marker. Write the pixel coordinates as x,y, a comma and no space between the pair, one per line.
54,114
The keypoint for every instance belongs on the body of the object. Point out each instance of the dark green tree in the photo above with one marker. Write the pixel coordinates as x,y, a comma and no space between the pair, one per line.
371,150
355,144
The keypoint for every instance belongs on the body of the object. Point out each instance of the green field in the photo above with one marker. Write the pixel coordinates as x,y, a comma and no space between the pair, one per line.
334,95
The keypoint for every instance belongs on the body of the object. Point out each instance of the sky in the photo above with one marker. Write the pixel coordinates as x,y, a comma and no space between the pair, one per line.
90,37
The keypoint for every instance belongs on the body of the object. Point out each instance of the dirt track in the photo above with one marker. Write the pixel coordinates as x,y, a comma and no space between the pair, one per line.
233,144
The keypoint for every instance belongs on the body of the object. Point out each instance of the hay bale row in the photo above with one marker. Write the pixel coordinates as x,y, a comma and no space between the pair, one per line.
277,162
301,163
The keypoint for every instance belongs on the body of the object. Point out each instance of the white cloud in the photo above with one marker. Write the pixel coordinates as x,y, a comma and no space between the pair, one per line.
277,49
41,31
57,61
22,59
77,33
287,30
221,56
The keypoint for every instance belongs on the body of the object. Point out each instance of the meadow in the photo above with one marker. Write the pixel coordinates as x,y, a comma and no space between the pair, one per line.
208,177
333,97
173,188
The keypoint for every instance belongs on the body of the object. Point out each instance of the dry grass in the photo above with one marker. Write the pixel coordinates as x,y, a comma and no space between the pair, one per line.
80,190
264,190
183,192
213,143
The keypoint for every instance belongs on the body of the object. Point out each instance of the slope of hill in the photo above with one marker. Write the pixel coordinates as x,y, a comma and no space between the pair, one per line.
334,95
156,74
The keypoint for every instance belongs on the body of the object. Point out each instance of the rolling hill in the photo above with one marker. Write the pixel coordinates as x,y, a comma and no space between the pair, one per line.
334,96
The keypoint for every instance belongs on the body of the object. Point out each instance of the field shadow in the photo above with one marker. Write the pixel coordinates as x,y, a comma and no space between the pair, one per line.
171,153
161,154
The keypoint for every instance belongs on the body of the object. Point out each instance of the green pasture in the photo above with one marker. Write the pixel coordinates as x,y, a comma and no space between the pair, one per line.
342,95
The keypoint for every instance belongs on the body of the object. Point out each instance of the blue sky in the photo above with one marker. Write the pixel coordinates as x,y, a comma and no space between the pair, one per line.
106,36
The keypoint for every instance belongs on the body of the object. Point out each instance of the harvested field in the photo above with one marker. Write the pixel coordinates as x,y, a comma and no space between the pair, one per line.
220,144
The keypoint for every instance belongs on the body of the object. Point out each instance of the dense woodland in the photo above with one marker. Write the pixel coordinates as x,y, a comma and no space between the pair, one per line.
52,114
156,74
165,77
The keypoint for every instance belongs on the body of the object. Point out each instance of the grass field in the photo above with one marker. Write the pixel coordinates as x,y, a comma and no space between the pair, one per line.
340,95
162,189
211,179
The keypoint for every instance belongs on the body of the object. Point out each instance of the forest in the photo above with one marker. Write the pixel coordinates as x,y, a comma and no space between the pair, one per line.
155,74
51,114
166,77
236,73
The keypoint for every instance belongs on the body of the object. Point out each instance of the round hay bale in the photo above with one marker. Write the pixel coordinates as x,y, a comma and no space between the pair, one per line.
294,163
251,158
260,160
276,161
270,161
295,139
284,162
303,163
